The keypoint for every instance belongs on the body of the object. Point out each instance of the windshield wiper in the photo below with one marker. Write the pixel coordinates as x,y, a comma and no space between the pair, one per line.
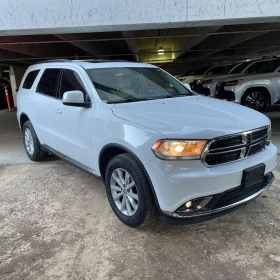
136,100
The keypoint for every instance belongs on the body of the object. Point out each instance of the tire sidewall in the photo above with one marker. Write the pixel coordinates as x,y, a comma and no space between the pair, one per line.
138,218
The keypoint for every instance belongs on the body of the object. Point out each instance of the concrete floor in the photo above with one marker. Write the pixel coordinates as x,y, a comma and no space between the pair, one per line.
56,223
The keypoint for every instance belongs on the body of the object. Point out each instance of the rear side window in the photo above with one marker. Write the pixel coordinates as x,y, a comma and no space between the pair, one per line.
30,78
48,82
71,81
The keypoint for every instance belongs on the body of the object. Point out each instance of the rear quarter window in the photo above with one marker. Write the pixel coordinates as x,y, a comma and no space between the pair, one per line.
30,78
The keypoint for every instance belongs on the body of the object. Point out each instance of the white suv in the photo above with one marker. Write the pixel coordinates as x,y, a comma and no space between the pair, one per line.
160,148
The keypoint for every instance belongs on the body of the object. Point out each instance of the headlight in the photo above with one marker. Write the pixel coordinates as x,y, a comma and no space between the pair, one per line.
207,81
232,83
178,150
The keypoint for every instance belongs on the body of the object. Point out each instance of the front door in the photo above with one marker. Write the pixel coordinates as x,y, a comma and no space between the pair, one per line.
72,134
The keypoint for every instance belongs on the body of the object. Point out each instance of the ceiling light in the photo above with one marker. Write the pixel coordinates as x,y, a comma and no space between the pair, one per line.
161,51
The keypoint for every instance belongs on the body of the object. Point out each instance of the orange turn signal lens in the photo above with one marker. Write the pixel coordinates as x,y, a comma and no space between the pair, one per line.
178,149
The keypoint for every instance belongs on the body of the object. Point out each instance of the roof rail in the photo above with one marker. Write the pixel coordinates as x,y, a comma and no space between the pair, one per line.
52,60
97,60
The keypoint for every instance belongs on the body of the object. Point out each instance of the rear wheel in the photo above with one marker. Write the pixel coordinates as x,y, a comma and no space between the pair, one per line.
255,99
31,143
129,192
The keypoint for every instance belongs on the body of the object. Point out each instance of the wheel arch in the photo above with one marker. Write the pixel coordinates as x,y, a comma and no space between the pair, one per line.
111,150
260,87
23,118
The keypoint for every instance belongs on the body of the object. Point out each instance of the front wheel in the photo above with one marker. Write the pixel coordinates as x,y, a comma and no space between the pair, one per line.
129,192
255,99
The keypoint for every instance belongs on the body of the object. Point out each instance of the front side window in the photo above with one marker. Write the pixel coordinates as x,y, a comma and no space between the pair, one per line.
239,68
270,66
219,70
135,84
255,67
48,82
30,78
71,81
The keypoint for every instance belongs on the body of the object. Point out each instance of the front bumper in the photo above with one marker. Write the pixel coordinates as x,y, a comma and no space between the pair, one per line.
177,182
175,219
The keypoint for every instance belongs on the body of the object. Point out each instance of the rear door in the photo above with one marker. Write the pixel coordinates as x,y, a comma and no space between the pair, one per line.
72,134
43,102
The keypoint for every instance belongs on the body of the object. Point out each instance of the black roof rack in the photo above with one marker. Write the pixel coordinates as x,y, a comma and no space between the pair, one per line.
78,60
98,60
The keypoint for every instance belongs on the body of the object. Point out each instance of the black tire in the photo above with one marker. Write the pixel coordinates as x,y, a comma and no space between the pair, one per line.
38,154
146,211
255,99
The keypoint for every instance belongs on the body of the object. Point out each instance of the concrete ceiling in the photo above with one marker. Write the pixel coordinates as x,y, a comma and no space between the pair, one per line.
183,47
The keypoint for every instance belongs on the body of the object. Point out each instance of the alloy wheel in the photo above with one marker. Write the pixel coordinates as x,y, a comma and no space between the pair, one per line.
256,101
124,192
29,143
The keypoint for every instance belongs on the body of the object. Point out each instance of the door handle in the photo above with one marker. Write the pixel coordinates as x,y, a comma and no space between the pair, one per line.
30,102
58,111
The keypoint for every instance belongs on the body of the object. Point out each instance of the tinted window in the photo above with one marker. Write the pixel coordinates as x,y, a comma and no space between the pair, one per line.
255,67
199,71
30,78
71,81
219,70
239,68
48,82
270,66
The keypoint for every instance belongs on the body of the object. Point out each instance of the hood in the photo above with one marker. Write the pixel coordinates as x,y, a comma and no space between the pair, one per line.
240,76
191,117
220,76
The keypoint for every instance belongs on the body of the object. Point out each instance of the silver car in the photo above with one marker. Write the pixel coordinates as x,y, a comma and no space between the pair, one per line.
256,90
194,81
207,86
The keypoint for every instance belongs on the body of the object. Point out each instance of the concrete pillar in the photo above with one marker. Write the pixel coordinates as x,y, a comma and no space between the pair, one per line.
13,85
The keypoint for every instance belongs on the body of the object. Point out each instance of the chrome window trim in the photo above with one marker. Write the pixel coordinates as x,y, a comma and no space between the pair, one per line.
244,148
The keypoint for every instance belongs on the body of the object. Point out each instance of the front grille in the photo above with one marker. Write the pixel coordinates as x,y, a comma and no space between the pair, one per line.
226,142
223,157
259,134
221,93
240,193
235,147
256,148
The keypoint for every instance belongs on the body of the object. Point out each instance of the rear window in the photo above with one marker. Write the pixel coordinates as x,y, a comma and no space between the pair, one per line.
30,78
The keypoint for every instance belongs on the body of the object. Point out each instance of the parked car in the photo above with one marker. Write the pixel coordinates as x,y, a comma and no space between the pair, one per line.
207,86
214,71
194,74
255,91
159,148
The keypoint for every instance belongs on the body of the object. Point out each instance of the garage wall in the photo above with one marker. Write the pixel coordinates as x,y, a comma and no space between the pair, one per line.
24,17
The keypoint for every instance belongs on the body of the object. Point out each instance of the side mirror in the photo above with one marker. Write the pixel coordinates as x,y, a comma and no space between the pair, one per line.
75,98
188,87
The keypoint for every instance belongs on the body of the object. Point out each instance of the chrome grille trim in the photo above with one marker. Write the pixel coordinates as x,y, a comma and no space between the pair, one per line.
244,147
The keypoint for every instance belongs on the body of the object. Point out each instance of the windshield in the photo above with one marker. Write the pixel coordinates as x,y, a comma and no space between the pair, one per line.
256,66
220,69
116,85
270,67
199,71
239,68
